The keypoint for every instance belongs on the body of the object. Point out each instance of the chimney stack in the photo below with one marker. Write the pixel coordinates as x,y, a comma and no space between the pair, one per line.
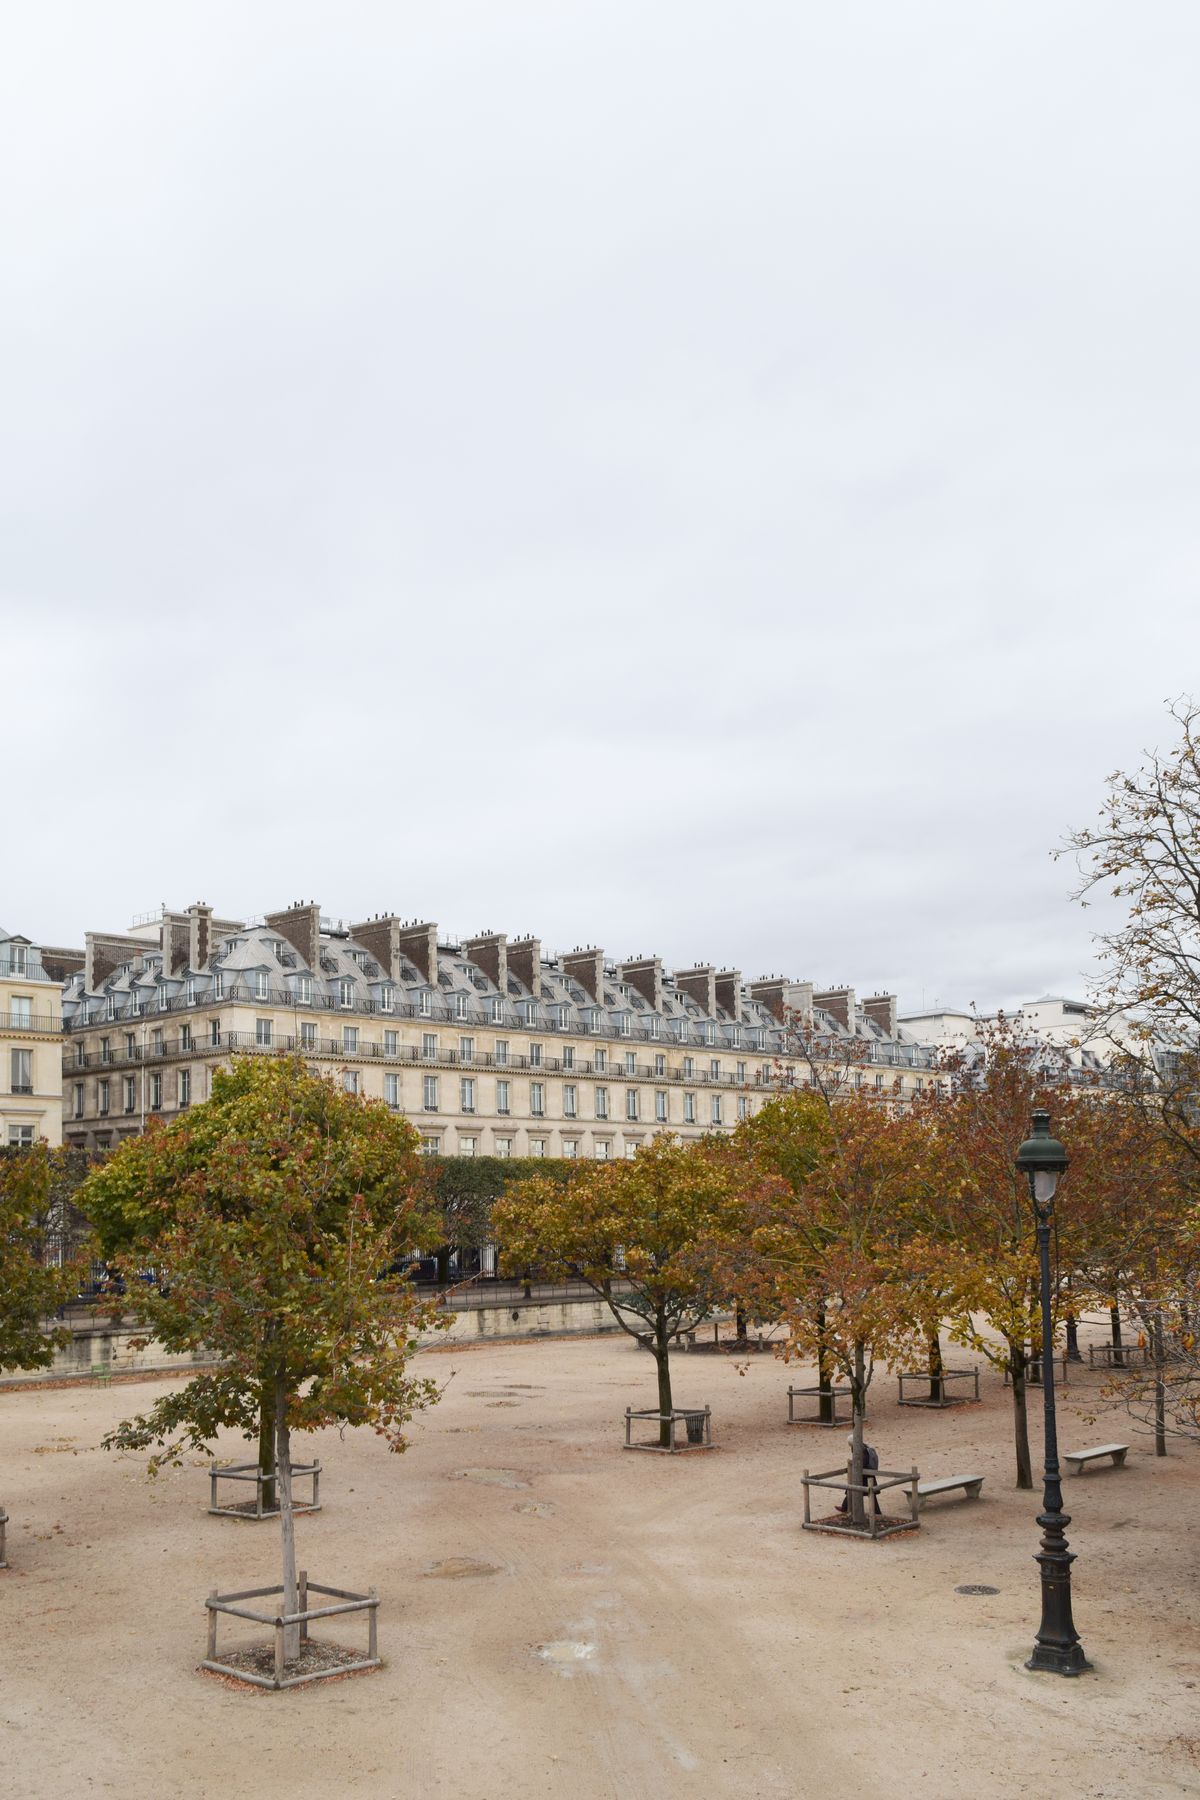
699,984
490,953
300,926
587,968
646,976
525,961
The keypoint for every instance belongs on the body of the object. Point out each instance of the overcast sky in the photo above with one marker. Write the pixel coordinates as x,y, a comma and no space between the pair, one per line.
717,480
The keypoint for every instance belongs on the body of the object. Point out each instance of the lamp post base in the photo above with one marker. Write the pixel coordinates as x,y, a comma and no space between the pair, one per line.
1058,1659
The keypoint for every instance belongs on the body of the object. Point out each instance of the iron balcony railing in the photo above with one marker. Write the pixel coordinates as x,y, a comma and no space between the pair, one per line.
40,1022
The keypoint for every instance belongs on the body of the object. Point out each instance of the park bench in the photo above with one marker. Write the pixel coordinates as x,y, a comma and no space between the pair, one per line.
1075,1459
948,1484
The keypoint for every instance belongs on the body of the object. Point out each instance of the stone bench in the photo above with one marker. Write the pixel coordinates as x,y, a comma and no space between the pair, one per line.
1076,1459
949,1484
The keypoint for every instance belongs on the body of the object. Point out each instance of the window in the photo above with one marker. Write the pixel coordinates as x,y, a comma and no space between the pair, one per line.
570,1102
164,999
17,959
185,1037
387,997
466,1049
624,1022
631,1062
349,1040
102,1097
497,1011
689,1068
502,1097
20,1010
714,1108
156,1041
879,1082
689,1109
743,1107
591,1021
425,1003
652,1022
631,1151
77,1095
264,1032
431,1146
660,1064
391,1090
262,985
460,1006
503,1146
603,1150
467,1094
345,991
214,1031
501,1050
20,1137
81,1056
631,1103
430,1091
601,1103
571,1148
537,1146
391,1043
741,1071
537,1099
429,1044
350,1081
568,1056
468,1146
535,1056
185,1087
106,1048
600,1060
156,1093
660,1107
308,1034
710,1032
189,990
714,1070
682,1031
130,1094
304,990
527,1011
219,985
130,1044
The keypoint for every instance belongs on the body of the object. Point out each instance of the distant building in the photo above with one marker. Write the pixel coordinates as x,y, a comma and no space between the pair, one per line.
1080,1030
31,1042
489,1046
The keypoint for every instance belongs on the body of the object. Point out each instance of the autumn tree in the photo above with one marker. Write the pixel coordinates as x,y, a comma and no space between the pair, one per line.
32,1287
279,1216
645,1234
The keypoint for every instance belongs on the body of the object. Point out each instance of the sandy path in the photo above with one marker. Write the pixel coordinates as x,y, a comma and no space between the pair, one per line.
730,1653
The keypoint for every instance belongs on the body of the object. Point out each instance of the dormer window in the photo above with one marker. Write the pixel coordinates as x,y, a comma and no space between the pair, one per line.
387,997
497,1010
189,990
346,991
262,984
425,1003
460,1006
164,999
623,1023
112,1006
218,986
652,1022
304,990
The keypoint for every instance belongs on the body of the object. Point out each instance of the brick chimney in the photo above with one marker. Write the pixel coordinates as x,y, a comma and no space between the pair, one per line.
647,977
490,953
419,944
200,934
839,1003
176,941
784,998
300,926
699,984
104,951
525,962
587,968
884,1010
729,992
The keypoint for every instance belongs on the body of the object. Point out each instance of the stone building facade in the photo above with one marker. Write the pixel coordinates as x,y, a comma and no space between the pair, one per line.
490,1046
30,1042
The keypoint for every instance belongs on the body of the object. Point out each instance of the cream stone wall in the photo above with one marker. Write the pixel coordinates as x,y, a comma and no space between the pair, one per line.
30,1053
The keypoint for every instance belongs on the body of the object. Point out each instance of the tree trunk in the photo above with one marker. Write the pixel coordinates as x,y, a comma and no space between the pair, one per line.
442,1275
741,1326
1016,1368
937,1387
266,1446
1160,1386
825,1401
858,1395
662,1356
1118,1358
287,1518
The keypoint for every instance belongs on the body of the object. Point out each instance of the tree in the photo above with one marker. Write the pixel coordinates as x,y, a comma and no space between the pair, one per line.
825,1239
1145,851
465,1188
32,1289
280,1216
648,1235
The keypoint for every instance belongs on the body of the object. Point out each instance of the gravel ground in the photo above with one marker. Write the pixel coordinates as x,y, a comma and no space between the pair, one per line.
562,1618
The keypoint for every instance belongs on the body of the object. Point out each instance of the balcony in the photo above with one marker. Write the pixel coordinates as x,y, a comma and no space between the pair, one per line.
39,1022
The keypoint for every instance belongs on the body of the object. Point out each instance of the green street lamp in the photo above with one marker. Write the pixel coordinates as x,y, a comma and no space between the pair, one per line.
1056,1649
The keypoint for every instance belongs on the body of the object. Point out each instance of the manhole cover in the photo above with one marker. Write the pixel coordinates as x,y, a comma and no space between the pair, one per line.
975,1587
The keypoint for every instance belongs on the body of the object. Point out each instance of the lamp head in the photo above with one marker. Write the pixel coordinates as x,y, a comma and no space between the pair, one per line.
1043,1161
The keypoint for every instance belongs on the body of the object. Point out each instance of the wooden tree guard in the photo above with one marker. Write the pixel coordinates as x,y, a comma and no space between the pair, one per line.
252,1472
347,1603
698,1423
3,1538
832,1394
923,1375
876,1525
